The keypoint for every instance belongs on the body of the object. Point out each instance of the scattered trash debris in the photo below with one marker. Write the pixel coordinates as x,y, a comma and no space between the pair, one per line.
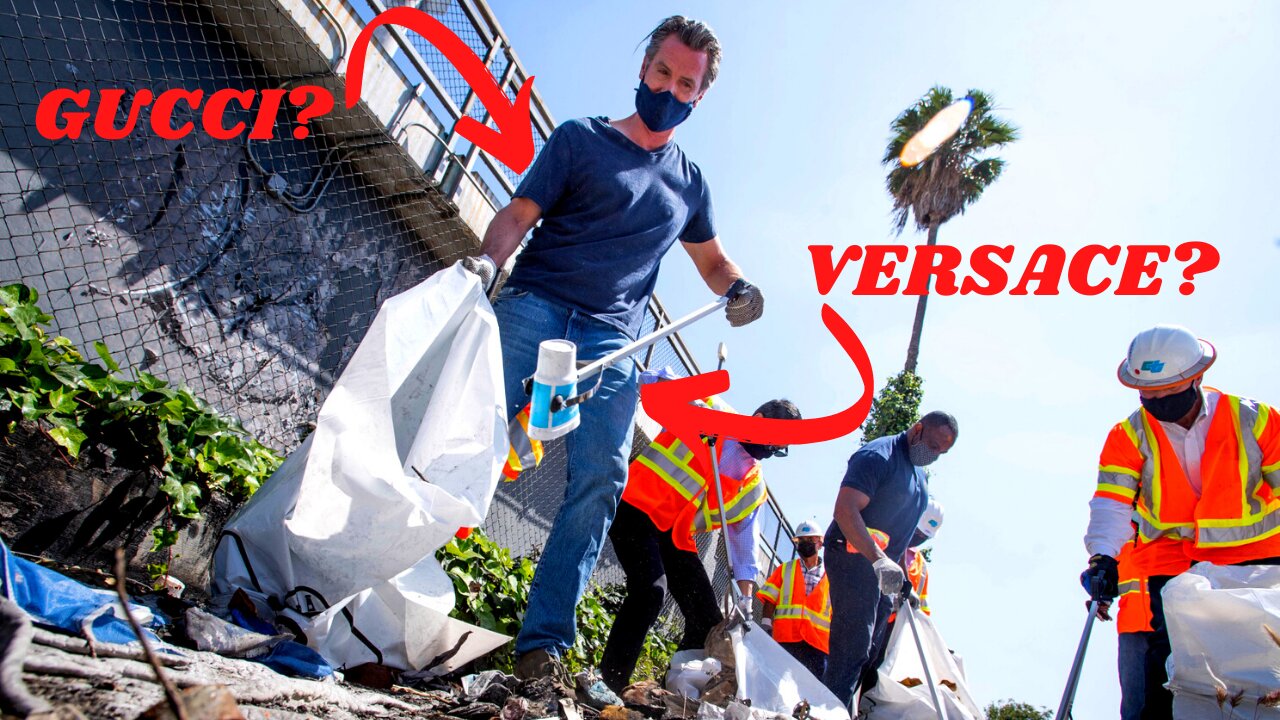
595,693
213,634
690,672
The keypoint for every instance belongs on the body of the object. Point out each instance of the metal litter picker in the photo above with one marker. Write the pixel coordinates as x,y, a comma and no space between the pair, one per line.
1073,678
553,389
904,607
734,595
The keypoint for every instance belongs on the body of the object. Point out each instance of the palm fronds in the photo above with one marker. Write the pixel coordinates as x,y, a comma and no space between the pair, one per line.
957,173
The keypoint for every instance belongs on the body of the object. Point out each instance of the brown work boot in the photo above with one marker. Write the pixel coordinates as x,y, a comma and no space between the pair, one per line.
541,664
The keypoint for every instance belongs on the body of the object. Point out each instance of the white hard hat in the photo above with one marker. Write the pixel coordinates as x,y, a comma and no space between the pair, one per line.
807,529
1164,356
931,520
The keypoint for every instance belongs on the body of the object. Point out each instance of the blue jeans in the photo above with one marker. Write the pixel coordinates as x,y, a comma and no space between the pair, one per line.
598,450
1133,673
859,621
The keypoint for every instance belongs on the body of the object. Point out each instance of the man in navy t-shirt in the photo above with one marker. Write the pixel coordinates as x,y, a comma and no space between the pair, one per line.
885,489
613,196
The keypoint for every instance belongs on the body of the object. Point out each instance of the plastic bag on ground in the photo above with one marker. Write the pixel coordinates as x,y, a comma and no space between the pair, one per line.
775,681
213,634
407,448
891,699
1218,619
690,671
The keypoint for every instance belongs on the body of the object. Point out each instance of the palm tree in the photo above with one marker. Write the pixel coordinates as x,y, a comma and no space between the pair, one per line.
949,180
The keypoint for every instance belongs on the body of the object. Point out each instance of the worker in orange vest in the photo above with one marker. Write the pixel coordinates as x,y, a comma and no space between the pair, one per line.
668,498
1191,472
797,607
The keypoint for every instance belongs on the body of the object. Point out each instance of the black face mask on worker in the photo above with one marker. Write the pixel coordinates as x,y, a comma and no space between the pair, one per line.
1172,408
807,548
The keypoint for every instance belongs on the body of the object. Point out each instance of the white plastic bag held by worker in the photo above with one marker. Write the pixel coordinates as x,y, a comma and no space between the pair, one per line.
900,693
408,448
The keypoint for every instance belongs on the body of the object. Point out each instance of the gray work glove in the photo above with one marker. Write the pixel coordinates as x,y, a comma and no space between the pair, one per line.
747,307
744,607
483,267
889,575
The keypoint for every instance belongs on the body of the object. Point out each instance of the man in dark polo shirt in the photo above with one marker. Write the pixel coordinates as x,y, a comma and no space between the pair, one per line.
884,488
613,196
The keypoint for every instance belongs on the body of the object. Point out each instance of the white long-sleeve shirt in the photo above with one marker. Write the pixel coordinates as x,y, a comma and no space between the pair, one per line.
1111,521
740,537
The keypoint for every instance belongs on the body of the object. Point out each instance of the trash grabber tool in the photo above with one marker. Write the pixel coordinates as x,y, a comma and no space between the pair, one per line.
904,605
732,598
553,403
1073,678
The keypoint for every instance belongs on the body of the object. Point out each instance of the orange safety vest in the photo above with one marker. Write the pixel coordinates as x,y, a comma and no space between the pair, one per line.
1134,614
918,574
880,537
669,484
1237,516
799,615
525,453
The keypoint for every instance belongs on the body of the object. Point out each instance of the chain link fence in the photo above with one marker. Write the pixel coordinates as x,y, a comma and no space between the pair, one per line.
249,271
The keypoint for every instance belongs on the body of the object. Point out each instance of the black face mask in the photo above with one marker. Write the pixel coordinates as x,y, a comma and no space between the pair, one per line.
1172,408
807,548
760,452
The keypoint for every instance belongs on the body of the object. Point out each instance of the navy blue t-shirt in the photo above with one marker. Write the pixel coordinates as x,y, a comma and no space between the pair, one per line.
899,491
610,211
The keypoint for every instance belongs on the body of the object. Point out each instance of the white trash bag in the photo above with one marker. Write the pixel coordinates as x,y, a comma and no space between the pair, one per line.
775,681
1217,618
408,448
892,700
690,672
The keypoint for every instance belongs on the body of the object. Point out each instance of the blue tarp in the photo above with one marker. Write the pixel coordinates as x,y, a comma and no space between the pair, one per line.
55,600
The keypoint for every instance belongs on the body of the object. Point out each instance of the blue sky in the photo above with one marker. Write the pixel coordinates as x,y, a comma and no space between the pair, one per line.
1141,123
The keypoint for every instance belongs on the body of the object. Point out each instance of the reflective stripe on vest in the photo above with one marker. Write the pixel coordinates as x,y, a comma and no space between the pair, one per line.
795,605
1257,519
673,463
750,496
1254,520
1133,611
525,453
787,604
1147,508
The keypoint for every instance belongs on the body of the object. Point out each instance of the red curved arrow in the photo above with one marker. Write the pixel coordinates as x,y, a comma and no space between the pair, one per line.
512,142
668,403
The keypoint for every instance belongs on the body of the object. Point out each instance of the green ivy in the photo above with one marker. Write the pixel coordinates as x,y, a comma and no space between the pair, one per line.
896,408
79,403
491,588
492,591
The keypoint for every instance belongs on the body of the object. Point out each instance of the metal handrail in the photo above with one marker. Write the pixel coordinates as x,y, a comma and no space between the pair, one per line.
451,157
491,33
781,541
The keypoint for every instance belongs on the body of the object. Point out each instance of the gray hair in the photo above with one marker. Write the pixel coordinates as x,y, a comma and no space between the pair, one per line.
697,35
936,419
